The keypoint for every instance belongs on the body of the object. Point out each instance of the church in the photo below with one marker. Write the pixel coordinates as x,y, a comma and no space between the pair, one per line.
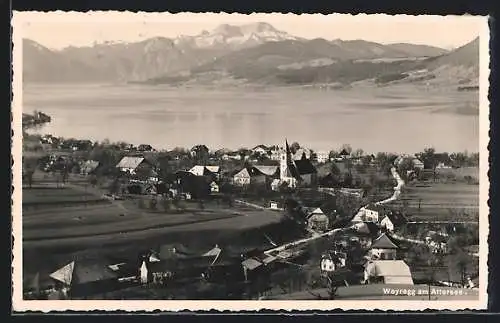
296,172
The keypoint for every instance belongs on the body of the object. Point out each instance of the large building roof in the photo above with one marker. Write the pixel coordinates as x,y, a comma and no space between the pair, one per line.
393,271
130,162
305,167
242,173
266,170
200,170
81,272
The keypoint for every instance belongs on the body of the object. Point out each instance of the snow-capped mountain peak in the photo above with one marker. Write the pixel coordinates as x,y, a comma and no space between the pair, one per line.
233,36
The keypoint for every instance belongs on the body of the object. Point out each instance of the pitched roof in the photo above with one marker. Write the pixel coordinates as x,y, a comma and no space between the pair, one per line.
198,170
395,271
81,272
304,167
266,170
384,242
328,207
213,169
366,228
344,152
251,263
130,162
242,173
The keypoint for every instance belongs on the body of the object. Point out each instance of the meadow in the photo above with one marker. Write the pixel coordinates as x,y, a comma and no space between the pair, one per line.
440,201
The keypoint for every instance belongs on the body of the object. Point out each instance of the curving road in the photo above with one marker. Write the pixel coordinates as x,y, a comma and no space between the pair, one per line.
397,193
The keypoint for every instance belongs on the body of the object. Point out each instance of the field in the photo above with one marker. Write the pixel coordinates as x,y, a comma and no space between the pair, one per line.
61,223
441,201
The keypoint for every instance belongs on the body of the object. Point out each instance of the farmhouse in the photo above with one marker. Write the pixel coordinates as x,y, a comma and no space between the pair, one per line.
242,178
134,164
84,277
384,248
388,272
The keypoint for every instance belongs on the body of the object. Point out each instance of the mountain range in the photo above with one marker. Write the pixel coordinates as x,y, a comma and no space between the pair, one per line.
248,53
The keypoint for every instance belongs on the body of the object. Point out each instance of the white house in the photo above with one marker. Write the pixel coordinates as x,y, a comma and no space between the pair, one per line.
274,205
332,261
322,156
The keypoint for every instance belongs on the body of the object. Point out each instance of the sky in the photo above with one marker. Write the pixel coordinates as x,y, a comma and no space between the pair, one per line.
60,30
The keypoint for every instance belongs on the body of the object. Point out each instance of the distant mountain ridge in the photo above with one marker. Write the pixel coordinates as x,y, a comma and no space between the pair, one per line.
252,52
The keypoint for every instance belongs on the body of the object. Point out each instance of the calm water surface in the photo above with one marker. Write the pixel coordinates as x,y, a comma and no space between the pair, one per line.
398,120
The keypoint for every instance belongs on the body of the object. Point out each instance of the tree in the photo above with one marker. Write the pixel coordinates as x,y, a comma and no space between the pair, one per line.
294,147
430,159
405,166
201,154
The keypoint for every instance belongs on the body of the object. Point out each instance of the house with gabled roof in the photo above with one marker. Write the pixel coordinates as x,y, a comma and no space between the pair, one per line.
84,277
384,248
211,171
242,178
132,164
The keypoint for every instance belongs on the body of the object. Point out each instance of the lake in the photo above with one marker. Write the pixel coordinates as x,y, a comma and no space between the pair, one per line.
396,119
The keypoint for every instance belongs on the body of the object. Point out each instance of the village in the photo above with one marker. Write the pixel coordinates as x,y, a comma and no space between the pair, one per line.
342,225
